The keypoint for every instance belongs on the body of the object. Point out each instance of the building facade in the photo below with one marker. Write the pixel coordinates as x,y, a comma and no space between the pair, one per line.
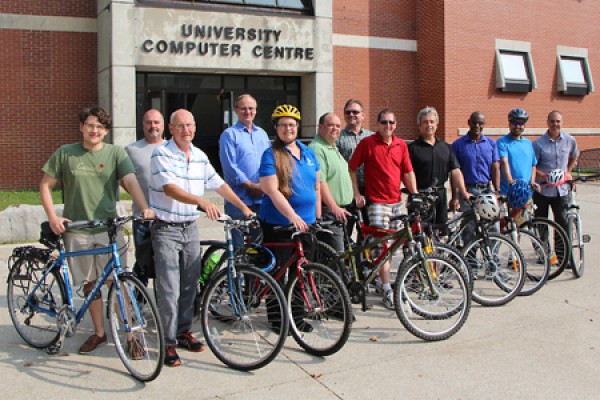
130,55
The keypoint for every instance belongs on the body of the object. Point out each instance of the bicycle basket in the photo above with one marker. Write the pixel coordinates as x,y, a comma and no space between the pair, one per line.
47,237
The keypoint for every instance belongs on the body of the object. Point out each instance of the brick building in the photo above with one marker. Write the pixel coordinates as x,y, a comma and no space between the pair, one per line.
129,55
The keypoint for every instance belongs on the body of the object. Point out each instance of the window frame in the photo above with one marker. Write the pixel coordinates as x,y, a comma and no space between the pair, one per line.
510,84
224,5
564,53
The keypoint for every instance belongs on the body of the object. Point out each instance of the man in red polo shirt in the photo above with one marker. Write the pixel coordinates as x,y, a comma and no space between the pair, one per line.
386,164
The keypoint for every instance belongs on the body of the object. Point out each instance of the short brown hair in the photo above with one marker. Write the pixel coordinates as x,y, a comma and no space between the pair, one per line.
99,112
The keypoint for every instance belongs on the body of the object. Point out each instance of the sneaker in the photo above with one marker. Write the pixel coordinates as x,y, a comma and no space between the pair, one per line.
135,348
92,343
171,357
187,341
388,299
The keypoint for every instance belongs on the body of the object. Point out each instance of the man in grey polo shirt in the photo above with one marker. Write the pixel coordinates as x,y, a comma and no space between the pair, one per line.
140,153
554,150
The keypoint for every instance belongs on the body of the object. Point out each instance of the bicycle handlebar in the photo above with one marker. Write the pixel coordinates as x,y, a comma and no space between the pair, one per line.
96,223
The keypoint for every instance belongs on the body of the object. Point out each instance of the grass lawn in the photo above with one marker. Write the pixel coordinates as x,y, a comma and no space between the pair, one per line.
32,197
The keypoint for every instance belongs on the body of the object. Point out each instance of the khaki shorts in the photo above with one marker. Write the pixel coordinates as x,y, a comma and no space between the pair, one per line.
89,268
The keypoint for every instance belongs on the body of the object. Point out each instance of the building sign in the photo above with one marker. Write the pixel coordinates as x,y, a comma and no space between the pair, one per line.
228,41
214,40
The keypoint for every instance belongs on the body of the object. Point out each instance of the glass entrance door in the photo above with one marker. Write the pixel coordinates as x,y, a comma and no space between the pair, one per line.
210,98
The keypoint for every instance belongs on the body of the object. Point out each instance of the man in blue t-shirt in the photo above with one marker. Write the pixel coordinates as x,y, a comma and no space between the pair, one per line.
517,158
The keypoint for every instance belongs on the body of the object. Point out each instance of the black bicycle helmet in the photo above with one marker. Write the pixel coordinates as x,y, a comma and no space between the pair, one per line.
518,114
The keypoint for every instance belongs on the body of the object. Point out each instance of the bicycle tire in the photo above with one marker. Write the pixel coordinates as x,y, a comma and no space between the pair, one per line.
576,240
37,328
322,326
138,335
558,250
536,262
426,315
455,255
252,337
496,281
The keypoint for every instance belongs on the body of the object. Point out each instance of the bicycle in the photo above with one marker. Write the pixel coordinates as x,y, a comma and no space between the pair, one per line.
43,311
496,263
431,295
576,238
241,329
318,302
538,260
333,311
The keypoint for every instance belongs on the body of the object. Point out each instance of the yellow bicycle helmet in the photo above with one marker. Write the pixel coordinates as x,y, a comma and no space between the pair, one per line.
285,110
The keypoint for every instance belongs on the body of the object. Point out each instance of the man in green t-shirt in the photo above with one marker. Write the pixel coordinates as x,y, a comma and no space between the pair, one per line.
336,186
90,172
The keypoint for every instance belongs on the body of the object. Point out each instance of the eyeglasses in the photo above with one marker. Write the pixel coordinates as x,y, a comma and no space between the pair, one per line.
182,126
287,126
519,123
387,122
352,112
98,127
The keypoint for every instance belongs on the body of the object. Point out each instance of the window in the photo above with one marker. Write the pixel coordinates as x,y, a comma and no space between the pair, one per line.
573,72
514,66
304,6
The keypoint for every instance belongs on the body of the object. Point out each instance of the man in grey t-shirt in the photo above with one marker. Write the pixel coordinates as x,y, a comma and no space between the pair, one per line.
140,153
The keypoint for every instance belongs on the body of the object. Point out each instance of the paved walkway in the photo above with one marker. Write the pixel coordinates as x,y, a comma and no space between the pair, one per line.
542,347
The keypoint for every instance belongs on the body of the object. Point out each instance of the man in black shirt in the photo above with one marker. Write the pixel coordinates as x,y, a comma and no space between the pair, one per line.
433,161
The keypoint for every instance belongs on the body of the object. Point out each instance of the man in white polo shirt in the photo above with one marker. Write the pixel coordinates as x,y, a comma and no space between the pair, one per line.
180,173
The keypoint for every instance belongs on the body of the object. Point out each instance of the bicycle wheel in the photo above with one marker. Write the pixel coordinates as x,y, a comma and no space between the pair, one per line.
321,314
242,331
457,259
536,261
576,238
555,241
136,329
497,268
39,329
433,311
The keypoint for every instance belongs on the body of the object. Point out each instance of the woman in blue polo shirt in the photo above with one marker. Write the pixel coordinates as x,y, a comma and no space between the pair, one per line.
289,178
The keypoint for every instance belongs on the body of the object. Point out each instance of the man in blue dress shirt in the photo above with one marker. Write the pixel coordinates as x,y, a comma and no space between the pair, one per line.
240,149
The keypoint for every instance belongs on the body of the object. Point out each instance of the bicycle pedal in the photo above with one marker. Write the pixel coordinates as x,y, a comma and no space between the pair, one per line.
54,349
587,238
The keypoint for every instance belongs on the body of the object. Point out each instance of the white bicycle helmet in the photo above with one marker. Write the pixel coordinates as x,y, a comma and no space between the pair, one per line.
556,177
486,206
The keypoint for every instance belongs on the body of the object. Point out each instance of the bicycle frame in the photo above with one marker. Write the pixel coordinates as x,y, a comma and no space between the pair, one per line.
298,258
113,266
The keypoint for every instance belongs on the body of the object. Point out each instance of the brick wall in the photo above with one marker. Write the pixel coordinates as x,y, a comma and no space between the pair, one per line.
63,8
471,29
48,77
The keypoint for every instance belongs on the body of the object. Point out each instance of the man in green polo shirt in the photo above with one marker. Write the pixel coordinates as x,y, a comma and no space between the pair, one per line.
336,186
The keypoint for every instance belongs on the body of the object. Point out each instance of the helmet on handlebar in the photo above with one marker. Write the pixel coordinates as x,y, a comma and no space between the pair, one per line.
556,177
519,194
486,206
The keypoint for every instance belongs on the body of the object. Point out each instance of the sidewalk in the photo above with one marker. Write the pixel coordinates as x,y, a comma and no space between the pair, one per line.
546,346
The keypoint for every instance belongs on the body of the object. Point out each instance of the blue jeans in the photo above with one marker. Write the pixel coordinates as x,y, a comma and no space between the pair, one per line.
236,213
178,268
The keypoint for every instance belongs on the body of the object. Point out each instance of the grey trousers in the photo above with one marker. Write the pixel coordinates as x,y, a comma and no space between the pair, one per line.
178,268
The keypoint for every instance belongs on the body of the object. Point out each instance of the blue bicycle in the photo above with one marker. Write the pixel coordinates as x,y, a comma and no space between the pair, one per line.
43,311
